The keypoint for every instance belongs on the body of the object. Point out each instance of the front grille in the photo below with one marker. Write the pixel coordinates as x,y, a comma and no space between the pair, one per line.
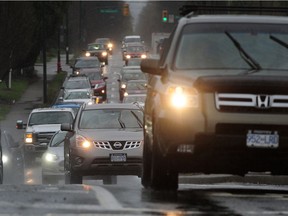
117,145
130,160
251,103
44,137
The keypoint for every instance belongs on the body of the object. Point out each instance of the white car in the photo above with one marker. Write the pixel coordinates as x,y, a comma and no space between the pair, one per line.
52,160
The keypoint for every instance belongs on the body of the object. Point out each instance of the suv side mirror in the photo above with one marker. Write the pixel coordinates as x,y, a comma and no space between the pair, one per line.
20,124
151,66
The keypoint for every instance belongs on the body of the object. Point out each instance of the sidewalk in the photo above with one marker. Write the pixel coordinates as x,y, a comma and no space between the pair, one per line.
32,96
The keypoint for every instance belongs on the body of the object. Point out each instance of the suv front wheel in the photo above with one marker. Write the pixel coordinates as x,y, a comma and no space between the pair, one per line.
163,174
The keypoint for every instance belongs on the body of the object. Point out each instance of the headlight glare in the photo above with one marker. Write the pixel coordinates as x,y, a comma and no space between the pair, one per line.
82,142
87,54
50,157
182,98
5,159
104,53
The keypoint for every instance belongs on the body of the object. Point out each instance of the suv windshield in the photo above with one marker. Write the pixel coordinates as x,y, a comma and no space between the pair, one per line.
40,118
222,46
111,119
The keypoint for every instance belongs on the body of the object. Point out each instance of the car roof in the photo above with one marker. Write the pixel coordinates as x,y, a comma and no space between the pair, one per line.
52,109
241,18
110,106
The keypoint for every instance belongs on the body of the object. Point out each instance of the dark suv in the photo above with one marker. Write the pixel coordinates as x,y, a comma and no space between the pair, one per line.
217,99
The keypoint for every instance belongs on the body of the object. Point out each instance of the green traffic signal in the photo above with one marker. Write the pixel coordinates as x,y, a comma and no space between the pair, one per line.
164,15
164,19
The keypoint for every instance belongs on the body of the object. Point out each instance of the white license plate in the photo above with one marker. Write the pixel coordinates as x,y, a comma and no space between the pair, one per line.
118,157
264,139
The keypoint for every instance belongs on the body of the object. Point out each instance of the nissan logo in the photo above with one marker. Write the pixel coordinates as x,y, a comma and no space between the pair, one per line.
117,145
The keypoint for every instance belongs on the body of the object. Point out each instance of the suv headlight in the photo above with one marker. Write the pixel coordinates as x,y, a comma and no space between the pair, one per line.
110,45
50,157
82,142
104,54
87,54
28,138
5,159
180,97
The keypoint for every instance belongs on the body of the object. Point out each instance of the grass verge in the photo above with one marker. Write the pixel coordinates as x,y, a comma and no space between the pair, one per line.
9,96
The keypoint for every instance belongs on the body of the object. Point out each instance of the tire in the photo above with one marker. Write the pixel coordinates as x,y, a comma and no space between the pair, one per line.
163,174
72,178
146,168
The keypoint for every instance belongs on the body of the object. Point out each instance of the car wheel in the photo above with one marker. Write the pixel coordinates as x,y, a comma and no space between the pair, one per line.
72,178
146,169
109,180
163,175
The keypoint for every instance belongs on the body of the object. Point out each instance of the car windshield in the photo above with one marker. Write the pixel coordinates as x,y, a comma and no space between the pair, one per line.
208,46
94,75
77,95
99,46
58,139
111,119
77,84
134,98
136,86
56,117
87,63
132,40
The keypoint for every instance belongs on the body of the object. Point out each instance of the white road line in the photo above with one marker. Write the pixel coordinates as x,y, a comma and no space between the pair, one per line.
105,198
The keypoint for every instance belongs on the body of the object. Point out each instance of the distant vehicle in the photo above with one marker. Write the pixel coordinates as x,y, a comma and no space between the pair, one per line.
131,39
86,63
108,44
99,50
12,158
98,82
135,99
134,50
106,139
127,75
134,62
73,105
41,125
135,87
78,95
52,161
77,82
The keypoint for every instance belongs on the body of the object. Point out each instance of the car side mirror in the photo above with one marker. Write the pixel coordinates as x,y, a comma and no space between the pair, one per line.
20,124
66,127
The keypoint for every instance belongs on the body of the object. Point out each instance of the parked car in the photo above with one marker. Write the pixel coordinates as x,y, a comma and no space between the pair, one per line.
98,50
12,159
217,99
52,161
106,139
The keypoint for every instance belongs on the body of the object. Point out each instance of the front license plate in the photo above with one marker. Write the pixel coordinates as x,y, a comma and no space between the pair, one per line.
118,157
262,139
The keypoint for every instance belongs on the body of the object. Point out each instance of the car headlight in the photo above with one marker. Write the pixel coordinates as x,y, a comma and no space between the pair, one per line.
87,54
110,45
143,56
5,159
180,97
82,142
123,86
128,56
126,94
50,157
28,138
104,54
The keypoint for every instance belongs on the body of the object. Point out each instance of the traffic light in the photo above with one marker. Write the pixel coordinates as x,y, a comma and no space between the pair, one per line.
125,10
164,15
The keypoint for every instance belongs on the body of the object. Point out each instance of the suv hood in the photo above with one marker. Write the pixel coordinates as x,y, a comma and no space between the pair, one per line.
43,128
113,134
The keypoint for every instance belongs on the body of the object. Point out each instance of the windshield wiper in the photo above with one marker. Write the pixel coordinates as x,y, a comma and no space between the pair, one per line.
277,40
247,58
138,120
121,122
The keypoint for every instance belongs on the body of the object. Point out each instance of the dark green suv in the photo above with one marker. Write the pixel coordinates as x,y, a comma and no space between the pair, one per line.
217,100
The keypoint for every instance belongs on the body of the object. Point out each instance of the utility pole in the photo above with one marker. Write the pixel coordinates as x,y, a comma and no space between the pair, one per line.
67,39
44,54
